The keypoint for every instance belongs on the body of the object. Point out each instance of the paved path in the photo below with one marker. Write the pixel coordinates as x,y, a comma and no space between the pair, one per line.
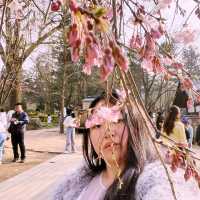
47,140
38,183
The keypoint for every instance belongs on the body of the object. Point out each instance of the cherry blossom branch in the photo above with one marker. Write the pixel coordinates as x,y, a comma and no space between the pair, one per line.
135,98
190,15
43,13
45,17
132,82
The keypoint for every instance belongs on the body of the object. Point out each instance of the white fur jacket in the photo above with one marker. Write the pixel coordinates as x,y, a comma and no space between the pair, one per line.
152,184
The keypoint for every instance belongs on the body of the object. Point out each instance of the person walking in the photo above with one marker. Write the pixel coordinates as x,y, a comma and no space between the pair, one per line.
49,119
3,134
70,124
17,128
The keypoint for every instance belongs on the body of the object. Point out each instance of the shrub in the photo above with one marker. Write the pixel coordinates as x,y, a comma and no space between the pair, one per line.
34,124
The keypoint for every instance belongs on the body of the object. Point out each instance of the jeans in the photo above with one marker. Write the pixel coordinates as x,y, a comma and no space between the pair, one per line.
2,141
70,133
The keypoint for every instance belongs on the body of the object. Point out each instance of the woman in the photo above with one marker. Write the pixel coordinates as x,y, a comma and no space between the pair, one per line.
3,134
120,163
174,128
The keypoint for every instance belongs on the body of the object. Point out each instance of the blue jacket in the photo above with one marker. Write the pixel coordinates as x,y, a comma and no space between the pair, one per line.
20,124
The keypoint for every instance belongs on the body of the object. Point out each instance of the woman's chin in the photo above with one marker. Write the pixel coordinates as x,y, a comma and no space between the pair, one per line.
110,158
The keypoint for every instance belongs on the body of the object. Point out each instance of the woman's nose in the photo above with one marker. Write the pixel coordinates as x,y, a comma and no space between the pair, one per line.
110,132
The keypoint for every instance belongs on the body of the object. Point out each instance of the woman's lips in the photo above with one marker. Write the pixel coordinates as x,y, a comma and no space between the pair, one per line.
110,145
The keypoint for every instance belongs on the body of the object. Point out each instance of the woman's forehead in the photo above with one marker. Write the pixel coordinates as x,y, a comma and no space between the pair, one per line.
100,104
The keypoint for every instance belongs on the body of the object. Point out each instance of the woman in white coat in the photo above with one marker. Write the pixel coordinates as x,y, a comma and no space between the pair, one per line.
120,162
3,132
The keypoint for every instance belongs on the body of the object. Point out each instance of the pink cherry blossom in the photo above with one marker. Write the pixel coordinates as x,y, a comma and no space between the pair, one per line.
136,42
87,69
73,35
150,48
17,9
93,120
109,14
147,65
73,5
162,4
166,61
187,83
92,51
91,55
157,67
186,36
102,115
177,65
110,114
75,51
119,58
107,65
156,34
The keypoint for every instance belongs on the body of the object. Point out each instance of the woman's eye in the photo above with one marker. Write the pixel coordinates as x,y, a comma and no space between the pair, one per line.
96,126
119,121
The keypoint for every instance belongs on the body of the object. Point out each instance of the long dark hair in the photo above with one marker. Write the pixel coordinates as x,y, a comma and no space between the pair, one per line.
133,166
170,119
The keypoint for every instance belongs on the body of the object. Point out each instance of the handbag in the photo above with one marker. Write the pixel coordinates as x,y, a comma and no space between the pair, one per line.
11,128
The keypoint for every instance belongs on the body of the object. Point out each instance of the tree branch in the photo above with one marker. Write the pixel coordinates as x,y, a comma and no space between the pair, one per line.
2,54
39,41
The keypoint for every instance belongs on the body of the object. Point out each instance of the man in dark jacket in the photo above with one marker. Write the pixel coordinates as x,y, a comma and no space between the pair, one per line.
17,128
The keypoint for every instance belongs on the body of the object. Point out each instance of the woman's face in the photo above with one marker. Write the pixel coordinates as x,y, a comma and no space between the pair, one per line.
109,138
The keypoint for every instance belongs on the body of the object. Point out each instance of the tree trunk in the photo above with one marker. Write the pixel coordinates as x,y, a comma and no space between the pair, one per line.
16,93
62,105
64,78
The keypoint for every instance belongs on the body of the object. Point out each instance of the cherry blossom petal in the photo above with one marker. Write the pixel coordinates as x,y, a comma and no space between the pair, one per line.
73,5
136,42
110,114
187,83
177,65
156,34
119,58
87,69
147,65
73,35
107,66
162,4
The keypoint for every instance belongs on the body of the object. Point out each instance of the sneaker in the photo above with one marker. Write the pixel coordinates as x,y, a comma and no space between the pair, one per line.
66,152
15,159
22,161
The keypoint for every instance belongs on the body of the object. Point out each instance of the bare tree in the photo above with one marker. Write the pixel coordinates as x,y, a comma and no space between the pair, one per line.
24,26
